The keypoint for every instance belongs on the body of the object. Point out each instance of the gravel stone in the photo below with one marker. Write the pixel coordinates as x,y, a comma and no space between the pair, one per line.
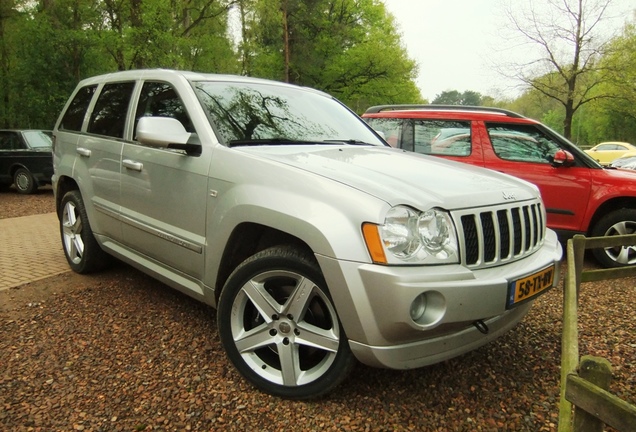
119,351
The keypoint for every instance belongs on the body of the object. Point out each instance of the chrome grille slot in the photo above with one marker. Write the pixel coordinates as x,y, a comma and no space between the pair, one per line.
502,234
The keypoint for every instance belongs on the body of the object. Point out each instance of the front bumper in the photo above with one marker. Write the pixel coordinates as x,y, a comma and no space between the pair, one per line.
375,310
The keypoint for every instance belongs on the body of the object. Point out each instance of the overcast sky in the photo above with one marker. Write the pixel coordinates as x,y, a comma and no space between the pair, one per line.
455,43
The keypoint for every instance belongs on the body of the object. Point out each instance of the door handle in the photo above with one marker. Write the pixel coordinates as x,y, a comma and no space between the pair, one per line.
130,164
83,151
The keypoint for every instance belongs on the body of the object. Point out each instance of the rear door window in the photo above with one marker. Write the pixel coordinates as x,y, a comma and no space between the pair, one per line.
109,115
442,137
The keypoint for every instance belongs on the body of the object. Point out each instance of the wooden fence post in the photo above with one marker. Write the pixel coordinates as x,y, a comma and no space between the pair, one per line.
570,339
597,371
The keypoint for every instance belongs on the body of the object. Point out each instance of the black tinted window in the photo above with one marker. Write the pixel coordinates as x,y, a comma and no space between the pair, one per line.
109,114
161,100
74,115
10,141
523,143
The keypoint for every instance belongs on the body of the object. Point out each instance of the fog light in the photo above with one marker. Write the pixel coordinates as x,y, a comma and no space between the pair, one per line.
418,307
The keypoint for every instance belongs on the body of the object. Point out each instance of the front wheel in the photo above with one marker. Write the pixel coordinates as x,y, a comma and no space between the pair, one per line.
24,181
279,326
82,252
618,222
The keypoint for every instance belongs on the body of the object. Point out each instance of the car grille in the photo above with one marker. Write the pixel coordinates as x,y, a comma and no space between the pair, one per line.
501,234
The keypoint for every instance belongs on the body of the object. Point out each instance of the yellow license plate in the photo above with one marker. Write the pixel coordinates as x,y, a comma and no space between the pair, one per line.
529,286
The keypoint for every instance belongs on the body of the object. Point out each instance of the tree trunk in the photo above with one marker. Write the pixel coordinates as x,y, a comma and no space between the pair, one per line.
4,69
136,23
285,39
567,120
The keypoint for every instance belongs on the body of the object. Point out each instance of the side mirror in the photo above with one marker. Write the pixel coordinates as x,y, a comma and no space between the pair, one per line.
166,132
563,158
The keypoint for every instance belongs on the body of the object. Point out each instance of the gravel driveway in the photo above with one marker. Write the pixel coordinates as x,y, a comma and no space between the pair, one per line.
118,351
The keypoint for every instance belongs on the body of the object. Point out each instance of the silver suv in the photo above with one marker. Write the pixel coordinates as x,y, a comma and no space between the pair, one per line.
317,242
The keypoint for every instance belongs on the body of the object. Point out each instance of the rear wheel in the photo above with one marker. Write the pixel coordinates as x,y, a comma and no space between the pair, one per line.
618,222
24,181
279,326
82,252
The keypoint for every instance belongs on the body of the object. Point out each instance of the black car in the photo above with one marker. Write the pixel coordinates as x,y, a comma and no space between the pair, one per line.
26,159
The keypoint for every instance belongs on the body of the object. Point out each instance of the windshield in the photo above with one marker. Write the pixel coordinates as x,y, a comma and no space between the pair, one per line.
37,139
267,114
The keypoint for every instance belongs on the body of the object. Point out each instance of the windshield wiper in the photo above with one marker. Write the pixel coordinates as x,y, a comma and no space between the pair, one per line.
287,141
272,141
349,141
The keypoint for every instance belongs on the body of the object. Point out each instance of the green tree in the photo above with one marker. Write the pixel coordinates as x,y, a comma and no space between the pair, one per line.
48,46
454,97
181,34
7,13
348,48
615,118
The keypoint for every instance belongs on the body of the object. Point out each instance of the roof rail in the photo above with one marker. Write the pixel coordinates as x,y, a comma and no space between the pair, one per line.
380,108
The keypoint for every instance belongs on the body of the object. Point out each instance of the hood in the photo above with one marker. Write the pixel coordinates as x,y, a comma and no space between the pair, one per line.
620,174
400,177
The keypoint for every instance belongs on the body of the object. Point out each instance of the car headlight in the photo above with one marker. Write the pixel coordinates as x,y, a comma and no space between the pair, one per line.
413,237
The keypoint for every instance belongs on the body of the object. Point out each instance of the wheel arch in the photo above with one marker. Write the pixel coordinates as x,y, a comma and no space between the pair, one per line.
250,218
15,167
247,239
64,185
609,206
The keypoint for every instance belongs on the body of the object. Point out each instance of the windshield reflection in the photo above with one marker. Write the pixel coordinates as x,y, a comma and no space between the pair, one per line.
250,112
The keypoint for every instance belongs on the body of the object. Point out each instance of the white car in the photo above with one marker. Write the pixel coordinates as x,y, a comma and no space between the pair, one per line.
625,162
318,243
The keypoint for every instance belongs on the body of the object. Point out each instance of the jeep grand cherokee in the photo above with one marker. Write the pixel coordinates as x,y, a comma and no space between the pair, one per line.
317,243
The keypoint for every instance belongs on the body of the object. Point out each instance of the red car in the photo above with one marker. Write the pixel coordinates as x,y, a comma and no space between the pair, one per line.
579,194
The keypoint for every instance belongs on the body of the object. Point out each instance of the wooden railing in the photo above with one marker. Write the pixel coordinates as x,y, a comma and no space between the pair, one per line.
585,383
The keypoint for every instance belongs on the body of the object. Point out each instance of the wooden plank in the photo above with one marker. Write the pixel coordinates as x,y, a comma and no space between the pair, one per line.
606,274
597,371
609,408
609,241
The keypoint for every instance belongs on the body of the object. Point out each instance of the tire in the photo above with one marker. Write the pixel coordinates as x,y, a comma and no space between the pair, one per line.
24,181
618,222
83,253
279,326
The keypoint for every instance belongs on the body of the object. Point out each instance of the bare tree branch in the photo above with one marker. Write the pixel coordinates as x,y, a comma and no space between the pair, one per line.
568,35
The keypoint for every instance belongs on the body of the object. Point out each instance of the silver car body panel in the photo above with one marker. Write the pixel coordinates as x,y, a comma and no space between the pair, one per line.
172,215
